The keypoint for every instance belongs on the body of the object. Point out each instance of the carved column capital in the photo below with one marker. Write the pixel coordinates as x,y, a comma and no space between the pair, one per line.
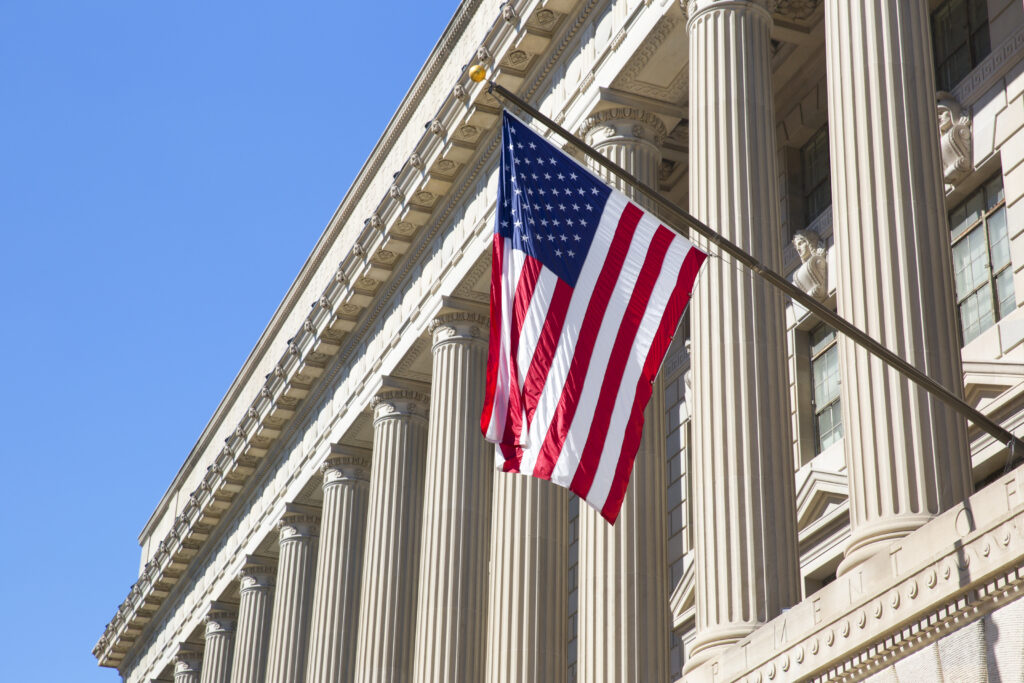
187,662
395,403
693,8
460,326
221,618
623,124
258,573
299,522
346,464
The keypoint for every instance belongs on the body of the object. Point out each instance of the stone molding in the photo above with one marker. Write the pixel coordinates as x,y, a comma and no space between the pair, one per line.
625,122
895,602
1002,58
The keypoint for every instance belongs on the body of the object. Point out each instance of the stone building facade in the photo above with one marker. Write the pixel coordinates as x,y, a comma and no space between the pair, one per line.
797,512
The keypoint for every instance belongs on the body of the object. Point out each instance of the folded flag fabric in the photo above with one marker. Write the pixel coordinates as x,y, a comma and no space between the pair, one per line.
587,290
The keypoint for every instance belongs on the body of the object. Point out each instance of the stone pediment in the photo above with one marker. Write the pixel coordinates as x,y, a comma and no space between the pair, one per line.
986,381
821,493
681,602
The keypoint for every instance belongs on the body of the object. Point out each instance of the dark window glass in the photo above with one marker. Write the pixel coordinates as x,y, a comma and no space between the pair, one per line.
816,176
961,40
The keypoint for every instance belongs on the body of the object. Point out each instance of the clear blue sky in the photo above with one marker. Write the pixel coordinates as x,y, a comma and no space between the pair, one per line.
165,169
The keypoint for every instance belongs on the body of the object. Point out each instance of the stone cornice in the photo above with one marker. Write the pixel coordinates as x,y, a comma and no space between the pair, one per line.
357,283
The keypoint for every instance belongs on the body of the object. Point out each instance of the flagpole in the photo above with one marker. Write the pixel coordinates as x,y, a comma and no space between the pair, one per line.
778,281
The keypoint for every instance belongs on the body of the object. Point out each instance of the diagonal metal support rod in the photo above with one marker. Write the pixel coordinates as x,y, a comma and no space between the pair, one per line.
855,334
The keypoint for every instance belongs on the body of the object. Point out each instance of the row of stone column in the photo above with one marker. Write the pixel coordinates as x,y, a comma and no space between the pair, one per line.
906,453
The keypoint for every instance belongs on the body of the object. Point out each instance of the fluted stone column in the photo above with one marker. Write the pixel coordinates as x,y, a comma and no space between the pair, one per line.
339,568
220,641
623,592
387,618
187,663
907,454
252,635
746,546
289,627
527,633
451,618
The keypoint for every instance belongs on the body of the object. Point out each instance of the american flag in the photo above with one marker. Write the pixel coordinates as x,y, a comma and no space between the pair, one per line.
586,292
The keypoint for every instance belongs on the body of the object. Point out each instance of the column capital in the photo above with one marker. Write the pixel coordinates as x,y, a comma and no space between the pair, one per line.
392,403
345,463
693,8
623,124
221,618
299,522
459,326
188,659
257,572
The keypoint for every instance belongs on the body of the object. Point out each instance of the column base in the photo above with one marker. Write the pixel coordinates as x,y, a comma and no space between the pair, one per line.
712,642
876,538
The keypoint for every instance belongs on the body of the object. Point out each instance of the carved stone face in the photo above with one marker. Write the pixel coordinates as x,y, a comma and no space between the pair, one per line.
803,247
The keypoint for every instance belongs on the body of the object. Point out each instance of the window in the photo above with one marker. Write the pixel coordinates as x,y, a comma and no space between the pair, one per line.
960,34
816,178
828,420
981,260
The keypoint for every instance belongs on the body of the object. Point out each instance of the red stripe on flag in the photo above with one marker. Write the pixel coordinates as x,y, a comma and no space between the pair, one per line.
624,341
494,347
521,304
645,386
547,344
603,289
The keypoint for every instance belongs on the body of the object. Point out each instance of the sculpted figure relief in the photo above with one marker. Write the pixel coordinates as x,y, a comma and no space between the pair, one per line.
812,275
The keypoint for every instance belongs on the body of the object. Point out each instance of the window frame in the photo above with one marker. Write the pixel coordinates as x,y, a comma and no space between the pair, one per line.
989,282
832,346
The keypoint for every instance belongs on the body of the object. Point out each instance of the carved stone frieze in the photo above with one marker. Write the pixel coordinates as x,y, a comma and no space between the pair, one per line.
956,141
625,122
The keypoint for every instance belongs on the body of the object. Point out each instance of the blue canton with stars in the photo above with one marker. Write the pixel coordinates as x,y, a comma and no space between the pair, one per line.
548,205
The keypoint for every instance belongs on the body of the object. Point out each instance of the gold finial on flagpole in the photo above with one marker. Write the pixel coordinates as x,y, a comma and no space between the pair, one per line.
477,73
